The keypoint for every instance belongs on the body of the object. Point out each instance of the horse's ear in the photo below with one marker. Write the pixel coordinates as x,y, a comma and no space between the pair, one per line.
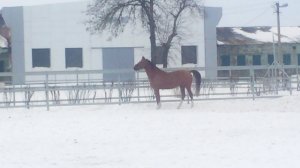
143,57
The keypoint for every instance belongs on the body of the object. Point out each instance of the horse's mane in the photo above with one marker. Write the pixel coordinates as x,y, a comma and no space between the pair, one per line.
153,66
151,63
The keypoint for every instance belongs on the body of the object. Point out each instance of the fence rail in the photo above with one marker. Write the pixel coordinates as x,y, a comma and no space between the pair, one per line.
50,91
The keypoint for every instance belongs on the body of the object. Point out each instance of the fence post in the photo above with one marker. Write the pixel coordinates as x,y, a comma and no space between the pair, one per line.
138,87
291,84
77,77
252,83
14,95
276,80
119,88
26,97
47,91
297,77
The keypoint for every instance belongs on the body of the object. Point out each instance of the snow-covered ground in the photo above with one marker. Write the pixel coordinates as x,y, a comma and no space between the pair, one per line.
264,133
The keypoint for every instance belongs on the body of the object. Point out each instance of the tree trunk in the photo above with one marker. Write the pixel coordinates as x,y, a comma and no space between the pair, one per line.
165,53
149,10
153,45
152,32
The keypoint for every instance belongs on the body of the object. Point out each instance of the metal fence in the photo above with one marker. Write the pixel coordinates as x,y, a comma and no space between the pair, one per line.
54,89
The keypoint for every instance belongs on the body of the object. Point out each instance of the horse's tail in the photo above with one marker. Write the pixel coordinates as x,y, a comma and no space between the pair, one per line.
197,76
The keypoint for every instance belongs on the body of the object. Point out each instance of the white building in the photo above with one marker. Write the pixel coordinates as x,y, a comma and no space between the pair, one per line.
54,38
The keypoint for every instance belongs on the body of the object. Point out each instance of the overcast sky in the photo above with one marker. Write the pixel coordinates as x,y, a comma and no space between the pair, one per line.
235,12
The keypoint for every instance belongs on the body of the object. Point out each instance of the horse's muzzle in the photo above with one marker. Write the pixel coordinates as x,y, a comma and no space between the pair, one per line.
136,68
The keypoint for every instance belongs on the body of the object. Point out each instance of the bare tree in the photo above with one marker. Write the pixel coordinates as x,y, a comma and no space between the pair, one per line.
171,22
159,17
116,14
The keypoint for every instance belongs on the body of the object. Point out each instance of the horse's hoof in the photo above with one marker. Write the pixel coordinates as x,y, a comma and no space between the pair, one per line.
179,106
158,106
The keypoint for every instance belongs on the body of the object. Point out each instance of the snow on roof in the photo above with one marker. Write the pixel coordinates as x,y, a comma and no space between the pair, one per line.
256,35
3,42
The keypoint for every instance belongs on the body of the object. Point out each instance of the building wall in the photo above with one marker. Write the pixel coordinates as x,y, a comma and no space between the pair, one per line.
258,49
14,19
212,18
4,60
50,26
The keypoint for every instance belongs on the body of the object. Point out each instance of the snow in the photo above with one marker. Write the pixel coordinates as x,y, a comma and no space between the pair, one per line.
224,133
289,34
220,42
258,35
3,42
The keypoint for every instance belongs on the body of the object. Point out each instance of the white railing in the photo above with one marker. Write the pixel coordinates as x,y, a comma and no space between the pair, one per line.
82,90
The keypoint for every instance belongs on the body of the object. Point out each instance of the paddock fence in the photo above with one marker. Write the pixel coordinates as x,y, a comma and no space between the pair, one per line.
70,88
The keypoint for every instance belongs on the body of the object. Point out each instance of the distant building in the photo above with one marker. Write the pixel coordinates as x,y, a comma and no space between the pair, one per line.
54,38
5,49
242,46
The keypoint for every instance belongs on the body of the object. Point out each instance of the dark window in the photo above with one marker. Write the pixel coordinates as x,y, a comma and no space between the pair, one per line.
2,66
256,60
41,57
298,59
159,55
225,60
241,60
287,59
270,59
189,54
73,57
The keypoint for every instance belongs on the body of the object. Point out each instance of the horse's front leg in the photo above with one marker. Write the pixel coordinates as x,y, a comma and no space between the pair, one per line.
182,90
191,96
157,96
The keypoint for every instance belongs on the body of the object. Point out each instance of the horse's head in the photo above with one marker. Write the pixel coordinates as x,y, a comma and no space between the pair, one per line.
142,64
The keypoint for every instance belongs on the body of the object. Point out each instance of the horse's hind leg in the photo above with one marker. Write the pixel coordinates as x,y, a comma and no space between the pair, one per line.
157,96
191,95
182,90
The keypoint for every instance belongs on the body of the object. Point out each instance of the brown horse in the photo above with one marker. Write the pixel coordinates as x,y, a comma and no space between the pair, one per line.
160,79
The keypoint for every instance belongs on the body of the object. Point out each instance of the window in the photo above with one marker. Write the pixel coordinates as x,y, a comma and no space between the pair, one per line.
287,59
241,60
270,59
2,66
73,57
189,54
41,57
225,60
159,55
256,60
298,59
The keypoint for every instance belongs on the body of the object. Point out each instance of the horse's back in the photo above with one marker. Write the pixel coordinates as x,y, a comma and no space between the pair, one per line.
172,79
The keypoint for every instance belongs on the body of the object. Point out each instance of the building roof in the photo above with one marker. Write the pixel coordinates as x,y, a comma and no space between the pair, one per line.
3,42
256,35
4,33
2,22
